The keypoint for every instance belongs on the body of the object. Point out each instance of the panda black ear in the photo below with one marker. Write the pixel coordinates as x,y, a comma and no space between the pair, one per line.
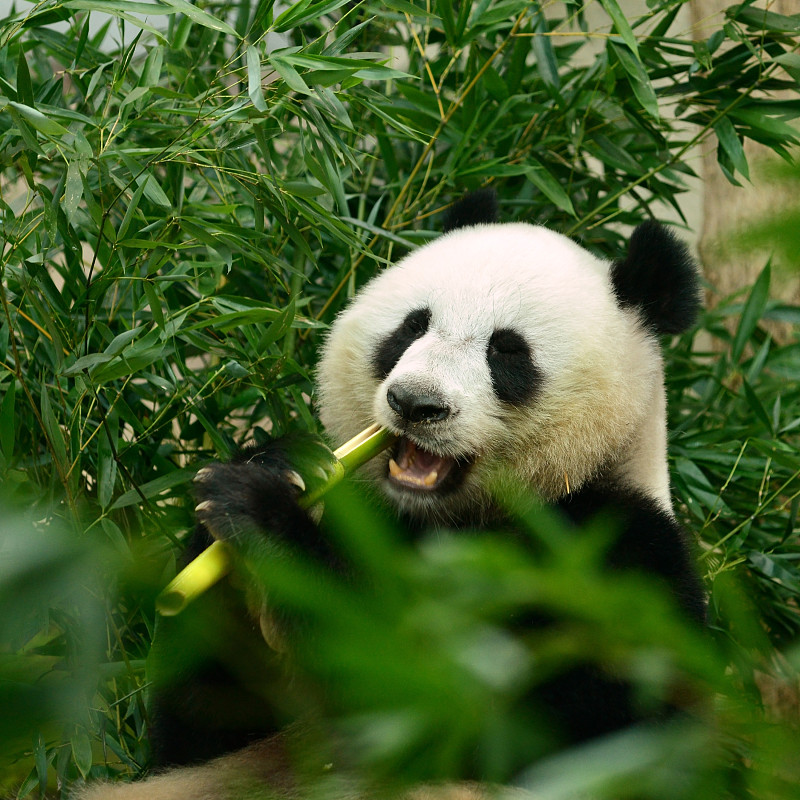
476,208
659,278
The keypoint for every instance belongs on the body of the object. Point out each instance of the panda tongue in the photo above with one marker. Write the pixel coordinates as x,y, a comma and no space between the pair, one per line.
417,467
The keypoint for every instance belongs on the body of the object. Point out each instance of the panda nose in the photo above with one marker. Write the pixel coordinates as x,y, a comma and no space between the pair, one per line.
414,407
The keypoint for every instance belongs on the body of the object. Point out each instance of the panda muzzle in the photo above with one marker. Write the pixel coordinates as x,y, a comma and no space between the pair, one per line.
419,469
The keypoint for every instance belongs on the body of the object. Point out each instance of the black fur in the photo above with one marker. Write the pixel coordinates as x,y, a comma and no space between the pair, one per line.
477,208
215,685
515,377
391,349
235,495
649,540
659,278
583,703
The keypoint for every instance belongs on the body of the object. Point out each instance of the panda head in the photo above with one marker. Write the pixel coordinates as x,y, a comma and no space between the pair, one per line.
508,349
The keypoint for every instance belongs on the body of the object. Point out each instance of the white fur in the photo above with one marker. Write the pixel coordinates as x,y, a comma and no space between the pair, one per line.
601,408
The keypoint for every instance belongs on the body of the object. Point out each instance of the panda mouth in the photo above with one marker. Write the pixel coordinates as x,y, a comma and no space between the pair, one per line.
415,468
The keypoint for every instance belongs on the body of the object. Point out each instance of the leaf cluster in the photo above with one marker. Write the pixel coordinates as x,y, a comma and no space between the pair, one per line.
735,402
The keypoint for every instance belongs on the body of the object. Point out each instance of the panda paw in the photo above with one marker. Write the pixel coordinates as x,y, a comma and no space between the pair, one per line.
236,499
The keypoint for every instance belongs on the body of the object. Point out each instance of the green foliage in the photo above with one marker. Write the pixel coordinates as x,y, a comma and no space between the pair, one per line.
188,195
734,444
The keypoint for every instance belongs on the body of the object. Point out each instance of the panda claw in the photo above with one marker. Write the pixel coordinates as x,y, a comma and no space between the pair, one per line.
203,507
202,474
295,479
320,472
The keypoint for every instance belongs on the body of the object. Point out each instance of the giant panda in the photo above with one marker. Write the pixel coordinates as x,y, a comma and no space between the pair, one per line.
495,349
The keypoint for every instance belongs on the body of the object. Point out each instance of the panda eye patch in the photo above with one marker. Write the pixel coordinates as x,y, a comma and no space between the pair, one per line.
507,342
515,376
416,323
390,350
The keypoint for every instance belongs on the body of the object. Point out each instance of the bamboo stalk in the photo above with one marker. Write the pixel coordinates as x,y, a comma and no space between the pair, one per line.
215,562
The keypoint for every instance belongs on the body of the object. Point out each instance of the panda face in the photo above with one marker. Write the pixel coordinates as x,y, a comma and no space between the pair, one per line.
495,349
437,372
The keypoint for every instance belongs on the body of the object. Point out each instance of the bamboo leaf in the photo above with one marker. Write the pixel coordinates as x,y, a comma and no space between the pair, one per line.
621,24
406,7
122,340
153,488
304,11
118,6
143,177
549,186
24,85
546,61
760,121
278,327
751,314
756,406
769,566
82,751
201,17
730,143
637,77
445,9
286,19
154,301
357,66
130,211
107,465
763,20
7,420
151,71
73,190
254,89
53,432
133,95
86,362
43,124
791,63
40,758
290,75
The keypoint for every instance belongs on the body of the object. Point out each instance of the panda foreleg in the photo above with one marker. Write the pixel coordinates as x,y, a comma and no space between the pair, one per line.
217,670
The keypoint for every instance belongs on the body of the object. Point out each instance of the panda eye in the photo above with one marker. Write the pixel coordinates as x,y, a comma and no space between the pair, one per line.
416,323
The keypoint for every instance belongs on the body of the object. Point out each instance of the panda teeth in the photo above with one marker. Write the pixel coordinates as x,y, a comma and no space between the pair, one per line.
396,471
